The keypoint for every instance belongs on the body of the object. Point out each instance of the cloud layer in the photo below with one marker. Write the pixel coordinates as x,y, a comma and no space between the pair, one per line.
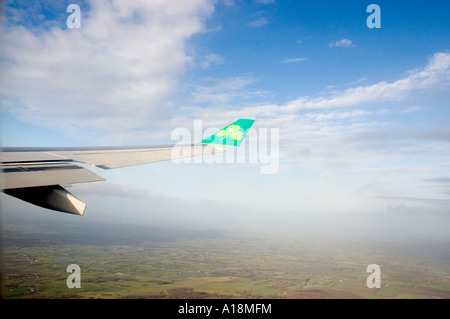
116,73
345,43
363,153
435,74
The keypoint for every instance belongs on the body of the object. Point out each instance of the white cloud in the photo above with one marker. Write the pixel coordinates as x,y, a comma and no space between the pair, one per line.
360,80
413,109
116,73
434,75
437,72
293,60
346,43
221,91
332,135
211,59
258,23
338,115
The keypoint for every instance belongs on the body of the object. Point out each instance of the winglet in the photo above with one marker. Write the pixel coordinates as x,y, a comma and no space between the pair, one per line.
231,135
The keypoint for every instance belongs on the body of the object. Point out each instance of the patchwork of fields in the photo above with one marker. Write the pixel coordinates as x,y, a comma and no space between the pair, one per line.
183,265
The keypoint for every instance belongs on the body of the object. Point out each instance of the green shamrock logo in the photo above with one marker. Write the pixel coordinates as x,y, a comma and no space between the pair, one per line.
233,131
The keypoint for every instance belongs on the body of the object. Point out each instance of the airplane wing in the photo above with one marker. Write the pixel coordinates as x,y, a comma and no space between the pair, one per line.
39,175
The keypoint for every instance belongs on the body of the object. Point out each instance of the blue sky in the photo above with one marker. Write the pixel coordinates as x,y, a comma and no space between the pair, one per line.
362,113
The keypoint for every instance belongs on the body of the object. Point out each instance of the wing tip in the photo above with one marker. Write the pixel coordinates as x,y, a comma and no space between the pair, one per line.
231,135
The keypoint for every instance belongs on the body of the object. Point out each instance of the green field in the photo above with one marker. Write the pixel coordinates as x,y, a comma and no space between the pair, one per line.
144,263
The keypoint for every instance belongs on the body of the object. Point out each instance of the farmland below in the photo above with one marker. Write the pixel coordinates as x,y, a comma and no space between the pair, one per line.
118,261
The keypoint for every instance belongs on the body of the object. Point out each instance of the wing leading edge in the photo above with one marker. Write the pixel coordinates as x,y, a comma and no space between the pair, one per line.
39,175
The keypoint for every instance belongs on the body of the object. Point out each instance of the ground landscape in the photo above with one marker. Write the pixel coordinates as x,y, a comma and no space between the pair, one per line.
137,262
